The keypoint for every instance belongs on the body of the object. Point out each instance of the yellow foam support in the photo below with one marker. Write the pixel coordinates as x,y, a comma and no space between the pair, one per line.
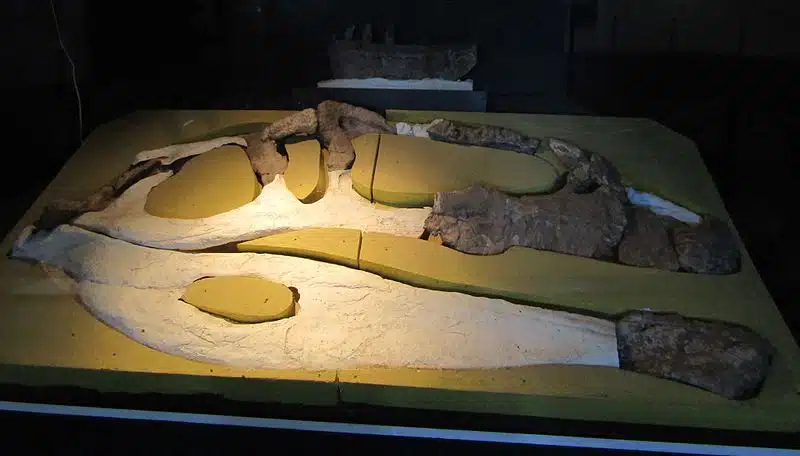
209,184
306,176
362,173
334,245
429,264
411,170
540,277
241,298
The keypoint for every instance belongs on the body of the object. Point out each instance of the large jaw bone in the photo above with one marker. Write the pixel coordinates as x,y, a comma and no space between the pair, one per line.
275,210
347,318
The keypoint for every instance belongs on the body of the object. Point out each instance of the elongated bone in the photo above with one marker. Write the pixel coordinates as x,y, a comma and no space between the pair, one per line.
300,123
64,211
335,120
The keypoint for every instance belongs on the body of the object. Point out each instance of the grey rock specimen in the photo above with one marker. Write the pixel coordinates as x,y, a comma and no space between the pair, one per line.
647,241
569,154
338,123
720,357
590,216
301,123
265,159
483,135
586,170
485,221
708,247
356,126
587,217
64,211
361,60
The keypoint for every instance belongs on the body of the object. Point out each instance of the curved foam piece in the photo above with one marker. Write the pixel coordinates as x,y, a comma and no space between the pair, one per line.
306,176
209,184
241,298
275,210
524,274
347,318
334,245
363,171
429,264
411,170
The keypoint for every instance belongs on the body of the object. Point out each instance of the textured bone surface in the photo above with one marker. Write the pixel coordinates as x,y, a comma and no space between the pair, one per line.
301,123
719,357
346,317
64,211
339,123
175,152
275,210
709,247
586,170
264,158
647,241
483,135
485,221
360,60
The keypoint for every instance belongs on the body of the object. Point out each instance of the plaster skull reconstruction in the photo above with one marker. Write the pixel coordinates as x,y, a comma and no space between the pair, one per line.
275,210
346,317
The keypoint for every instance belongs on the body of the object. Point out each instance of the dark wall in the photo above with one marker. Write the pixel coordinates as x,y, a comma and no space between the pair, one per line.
29,47
283,42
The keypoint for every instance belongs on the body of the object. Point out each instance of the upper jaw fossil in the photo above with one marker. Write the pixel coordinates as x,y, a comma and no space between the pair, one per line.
275,210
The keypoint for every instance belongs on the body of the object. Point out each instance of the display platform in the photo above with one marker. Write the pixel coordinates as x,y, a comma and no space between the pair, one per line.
48,338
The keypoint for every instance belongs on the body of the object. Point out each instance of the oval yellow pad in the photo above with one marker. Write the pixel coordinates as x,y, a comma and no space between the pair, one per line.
411,170
209,184
242,299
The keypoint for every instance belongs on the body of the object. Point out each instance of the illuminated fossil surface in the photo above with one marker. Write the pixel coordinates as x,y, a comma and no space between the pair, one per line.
125,264
345,318
275,210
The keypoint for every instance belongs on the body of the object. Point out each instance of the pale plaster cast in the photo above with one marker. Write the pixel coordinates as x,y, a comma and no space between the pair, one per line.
275,210
347,318
404,84
175,152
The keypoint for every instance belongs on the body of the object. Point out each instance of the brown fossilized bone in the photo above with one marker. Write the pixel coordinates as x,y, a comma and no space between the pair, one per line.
264,157
360,57
724,358
483,135
339,123
590,216
301,123
335,124
64,211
